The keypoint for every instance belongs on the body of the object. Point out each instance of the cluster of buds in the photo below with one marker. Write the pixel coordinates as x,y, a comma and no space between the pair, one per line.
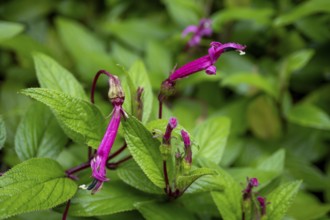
248,197
183,161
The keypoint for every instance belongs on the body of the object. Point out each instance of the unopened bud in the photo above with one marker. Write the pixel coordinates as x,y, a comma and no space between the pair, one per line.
116,93
188,153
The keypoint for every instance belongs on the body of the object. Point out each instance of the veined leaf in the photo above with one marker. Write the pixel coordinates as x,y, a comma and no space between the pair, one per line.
51,75
310,116
281,198
3,133
115,197
184,182
131,173
144,149
36,184
38,134
81,120
229,200
212,138
9,29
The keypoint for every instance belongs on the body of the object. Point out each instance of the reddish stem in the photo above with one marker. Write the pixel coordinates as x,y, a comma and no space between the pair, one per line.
167,184
113,166
160,109
95,80
117,152
65,213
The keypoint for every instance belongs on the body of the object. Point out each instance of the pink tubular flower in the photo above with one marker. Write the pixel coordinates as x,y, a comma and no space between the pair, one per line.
172,123
99,162
203,29
206,62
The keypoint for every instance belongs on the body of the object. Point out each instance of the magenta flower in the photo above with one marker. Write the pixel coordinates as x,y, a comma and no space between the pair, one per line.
187,147
247,192
172,123
99,162
203,29
206,62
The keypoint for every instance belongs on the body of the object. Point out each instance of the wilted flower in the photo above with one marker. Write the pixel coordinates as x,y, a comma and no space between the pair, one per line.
203,29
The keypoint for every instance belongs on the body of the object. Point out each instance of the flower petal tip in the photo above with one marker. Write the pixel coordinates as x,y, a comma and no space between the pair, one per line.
241,52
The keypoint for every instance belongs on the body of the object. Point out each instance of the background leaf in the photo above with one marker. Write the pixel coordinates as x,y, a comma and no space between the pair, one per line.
36,184
212,138
80,120
309,115
9,29
3,133
47,139
163,211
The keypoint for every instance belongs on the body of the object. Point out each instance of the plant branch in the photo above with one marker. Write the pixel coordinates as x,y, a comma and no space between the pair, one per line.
167,184
115,165
117,152
65,213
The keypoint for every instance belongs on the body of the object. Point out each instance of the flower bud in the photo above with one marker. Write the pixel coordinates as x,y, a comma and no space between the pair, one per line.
116,93
188,153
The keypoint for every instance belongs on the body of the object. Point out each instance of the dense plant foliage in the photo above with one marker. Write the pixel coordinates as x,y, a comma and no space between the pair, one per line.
177,125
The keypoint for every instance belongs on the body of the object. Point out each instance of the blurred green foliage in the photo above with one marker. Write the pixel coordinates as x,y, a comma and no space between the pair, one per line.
277,96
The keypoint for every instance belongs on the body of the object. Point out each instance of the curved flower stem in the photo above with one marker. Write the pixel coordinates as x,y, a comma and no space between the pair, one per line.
78,168
160,109
65,213
115,165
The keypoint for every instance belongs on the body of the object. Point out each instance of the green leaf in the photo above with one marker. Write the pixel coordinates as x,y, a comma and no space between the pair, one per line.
252,79
212,138
310,116
36,184
264,118
51,75
163,210
87,50
144,149
159,62
294,62
184,182
80,120
3,133
115,197
131,173
258,15
38,134
275,162
9,29
281,198
229,200
139,76
184,12
302,10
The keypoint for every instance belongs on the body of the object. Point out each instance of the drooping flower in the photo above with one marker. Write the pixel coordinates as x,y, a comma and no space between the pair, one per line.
99,162
247,192
203,29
